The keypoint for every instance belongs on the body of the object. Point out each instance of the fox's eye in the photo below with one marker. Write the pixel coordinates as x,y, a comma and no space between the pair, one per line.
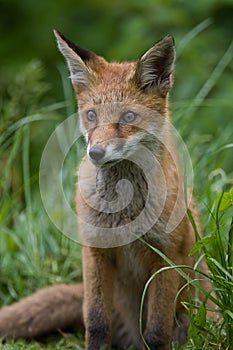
91,116
128,117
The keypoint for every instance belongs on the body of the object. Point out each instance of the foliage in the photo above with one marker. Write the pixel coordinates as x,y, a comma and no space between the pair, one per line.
68,341
24,225
218,250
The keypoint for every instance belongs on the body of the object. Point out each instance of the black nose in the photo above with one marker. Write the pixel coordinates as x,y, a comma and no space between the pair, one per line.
96,153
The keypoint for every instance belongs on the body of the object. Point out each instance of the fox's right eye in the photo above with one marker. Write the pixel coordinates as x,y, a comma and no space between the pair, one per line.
91,116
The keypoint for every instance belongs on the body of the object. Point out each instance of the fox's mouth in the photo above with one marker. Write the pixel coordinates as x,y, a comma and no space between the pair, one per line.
109,163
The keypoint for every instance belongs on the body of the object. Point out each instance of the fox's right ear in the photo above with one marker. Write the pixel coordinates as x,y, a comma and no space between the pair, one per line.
154,71
77,59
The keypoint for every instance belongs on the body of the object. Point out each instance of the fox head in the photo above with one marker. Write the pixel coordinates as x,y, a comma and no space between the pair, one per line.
121,105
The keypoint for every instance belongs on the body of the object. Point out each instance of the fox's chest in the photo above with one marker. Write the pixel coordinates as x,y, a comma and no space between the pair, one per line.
116,206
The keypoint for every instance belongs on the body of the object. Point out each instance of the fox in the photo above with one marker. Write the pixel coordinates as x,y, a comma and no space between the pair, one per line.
130,198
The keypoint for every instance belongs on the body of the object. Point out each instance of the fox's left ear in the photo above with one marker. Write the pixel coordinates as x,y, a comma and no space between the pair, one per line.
154,70
77,59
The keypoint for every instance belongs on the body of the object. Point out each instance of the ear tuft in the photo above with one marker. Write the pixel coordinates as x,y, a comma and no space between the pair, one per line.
77,59
84,54
154,71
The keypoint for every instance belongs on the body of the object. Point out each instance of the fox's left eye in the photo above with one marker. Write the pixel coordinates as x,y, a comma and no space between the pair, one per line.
91,116
128,117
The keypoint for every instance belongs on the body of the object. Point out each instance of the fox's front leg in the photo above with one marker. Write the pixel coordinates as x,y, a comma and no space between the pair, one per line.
98,296
160,310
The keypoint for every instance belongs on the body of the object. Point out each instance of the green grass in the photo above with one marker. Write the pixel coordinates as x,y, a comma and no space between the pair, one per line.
65,341
33,253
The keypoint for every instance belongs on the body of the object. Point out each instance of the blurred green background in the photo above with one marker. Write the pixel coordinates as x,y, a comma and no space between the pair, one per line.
119,30
36,95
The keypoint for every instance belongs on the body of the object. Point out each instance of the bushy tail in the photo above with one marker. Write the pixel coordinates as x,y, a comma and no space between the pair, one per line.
46,311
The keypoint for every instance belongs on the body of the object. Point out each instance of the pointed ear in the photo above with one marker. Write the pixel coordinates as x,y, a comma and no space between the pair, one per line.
154,71
77,60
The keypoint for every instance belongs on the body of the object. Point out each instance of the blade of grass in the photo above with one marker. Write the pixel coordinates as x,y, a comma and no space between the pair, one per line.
7,169
210,83
230,249
23,121
220,246
192,33
178,268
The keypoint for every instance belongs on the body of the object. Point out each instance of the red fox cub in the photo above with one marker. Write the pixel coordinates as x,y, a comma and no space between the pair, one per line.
129,196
